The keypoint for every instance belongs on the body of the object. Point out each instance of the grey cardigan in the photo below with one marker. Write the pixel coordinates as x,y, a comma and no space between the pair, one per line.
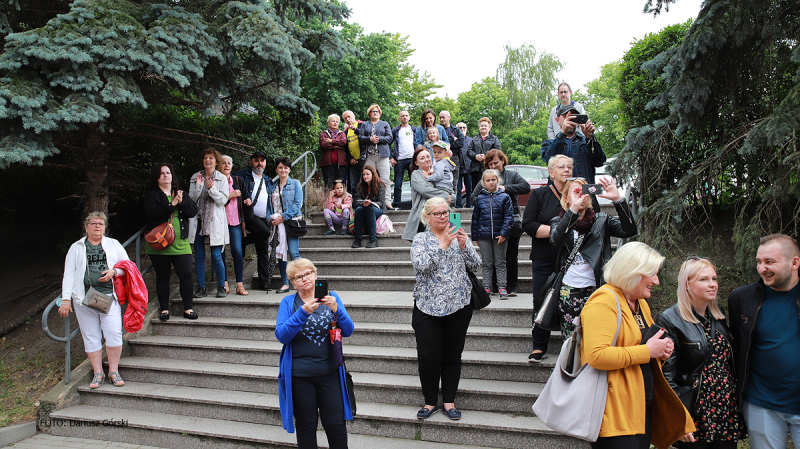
421,191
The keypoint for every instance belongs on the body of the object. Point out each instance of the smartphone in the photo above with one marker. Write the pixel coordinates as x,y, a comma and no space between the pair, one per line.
320,289
455,220
592,189
580,119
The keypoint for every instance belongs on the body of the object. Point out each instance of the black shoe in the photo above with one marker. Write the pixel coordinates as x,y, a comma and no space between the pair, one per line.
537,356
200,292
164,315
343,231
283,290
221,292
425,413
190,315
263,286
372,244
329,232
356,244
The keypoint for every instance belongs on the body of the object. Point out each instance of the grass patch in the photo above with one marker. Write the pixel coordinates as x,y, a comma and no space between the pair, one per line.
22,382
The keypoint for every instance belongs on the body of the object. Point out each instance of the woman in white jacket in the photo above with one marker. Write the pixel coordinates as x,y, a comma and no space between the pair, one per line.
209,189
90,262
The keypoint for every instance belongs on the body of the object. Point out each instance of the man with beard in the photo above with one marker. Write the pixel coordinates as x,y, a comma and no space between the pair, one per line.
585,152
257,198
766,344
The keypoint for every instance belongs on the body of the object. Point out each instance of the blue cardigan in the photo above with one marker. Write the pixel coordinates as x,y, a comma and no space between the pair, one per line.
287,326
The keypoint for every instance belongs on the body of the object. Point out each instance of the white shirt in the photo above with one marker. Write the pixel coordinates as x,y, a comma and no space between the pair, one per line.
580,274
260,206
405,142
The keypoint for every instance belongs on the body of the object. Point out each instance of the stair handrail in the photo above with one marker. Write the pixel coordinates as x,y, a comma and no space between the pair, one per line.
68,336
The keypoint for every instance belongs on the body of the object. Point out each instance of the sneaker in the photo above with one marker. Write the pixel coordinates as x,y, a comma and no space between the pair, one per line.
200,292
512,294
537,356
329,232
488,292
343,231
356,244
372,244
503,294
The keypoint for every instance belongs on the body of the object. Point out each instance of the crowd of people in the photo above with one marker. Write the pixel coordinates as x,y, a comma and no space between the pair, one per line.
691,376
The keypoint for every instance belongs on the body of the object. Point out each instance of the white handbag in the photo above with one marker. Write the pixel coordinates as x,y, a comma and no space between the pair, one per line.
573,400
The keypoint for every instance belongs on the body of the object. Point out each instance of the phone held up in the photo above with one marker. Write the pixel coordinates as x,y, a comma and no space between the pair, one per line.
592,189
455,221
320,289
580,119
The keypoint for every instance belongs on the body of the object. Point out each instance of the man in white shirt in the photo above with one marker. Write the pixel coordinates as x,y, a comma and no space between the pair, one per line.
402,153
564,94
257,199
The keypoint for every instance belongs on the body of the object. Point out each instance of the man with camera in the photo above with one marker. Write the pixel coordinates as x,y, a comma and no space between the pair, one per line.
564,94
585,151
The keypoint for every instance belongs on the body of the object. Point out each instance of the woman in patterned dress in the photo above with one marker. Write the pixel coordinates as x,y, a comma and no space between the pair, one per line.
700,370
441,257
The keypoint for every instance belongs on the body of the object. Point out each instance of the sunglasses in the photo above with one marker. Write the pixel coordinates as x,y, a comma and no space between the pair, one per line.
577,179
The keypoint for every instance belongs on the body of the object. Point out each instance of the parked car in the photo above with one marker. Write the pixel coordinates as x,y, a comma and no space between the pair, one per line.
535,175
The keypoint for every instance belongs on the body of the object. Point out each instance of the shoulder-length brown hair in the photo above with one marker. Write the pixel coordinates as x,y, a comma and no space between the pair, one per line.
372,187
422,117
414,165
492,154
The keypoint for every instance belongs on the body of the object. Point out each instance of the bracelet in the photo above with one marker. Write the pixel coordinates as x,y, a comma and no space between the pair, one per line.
620,200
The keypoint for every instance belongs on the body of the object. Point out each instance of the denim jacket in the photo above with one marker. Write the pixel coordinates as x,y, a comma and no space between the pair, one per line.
292,196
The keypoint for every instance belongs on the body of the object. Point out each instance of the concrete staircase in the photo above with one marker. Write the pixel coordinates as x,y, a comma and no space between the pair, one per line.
213,382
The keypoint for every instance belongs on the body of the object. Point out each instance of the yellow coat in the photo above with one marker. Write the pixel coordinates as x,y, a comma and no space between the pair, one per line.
625,406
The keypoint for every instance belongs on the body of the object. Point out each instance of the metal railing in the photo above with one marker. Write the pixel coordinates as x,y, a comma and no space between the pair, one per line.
136,239
68,336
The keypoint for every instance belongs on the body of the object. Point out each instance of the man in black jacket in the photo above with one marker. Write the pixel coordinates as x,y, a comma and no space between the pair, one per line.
765,323
584,151
256,206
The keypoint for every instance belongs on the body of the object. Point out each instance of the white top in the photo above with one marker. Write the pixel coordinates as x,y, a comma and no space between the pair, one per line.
75,266
580,274
405,142
260,207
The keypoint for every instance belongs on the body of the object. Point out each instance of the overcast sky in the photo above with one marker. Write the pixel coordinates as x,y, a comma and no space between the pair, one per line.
594,33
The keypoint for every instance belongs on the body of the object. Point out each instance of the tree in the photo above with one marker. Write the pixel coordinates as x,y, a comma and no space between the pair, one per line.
731,95
529,78
485,99
523,144
74,83
605,109
376,72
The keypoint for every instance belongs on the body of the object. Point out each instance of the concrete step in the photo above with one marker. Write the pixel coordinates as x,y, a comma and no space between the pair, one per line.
387,240
261,407
181,432
370,283
186,352
385,252
396,268
393,335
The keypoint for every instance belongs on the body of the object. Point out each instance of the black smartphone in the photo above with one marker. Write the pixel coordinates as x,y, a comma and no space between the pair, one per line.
580,119
320,289
592,189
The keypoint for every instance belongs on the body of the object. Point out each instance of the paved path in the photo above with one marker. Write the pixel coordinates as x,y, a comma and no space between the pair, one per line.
44,441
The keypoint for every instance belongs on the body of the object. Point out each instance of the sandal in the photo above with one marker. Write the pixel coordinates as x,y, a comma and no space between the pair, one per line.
116,379
241,291
164,315
227,289
97,380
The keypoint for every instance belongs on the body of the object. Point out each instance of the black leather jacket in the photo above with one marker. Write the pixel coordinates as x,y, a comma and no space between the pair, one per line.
683,369
596,246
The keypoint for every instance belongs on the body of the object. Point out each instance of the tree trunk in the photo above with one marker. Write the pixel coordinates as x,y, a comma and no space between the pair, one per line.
95,198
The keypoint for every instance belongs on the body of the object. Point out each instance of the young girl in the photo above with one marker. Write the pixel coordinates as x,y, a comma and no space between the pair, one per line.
492,218
433,137
338,208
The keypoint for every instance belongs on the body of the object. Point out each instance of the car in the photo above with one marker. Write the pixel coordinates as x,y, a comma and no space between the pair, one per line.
627,191
535,175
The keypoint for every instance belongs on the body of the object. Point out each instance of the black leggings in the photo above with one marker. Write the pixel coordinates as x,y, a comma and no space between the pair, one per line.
640,441
183,268
705,445
440,342
322,393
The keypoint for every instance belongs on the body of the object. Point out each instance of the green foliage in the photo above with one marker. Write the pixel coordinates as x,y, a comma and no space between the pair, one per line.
605,108
487,98
376,71
529,78
438,104
523,144
716,119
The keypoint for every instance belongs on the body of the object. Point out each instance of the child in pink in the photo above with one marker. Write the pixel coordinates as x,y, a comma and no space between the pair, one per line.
338,208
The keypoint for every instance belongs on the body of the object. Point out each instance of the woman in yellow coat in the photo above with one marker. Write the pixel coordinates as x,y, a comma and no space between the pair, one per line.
641,408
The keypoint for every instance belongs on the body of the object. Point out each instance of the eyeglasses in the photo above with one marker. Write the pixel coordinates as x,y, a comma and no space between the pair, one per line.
462,127
561,167
300,277
439,214
97,223
576,179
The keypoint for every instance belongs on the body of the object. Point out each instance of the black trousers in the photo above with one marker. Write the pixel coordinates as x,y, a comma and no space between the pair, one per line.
323,394
183,268
705,445
640,441
541,270
440,342
262,251
332,172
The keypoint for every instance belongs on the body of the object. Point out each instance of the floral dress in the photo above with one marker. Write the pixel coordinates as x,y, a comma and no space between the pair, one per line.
717,417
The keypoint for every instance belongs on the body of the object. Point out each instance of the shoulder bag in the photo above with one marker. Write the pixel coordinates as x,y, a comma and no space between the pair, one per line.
546,302
255,226
96,300
479,299
162,235
296,227
573,400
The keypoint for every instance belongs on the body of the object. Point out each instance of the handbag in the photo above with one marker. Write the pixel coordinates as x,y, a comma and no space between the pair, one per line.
338,360
546,316
162,235
252,224
516,226
296,227
479,299
98,301
573,400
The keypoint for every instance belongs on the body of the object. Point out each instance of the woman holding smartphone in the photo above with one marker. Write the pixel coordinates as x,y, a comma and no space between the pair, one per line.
309,382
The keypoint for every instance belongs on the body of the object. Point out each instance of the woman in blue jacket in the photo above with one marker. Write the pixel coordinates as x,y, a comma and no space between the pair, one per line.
286,202
309,382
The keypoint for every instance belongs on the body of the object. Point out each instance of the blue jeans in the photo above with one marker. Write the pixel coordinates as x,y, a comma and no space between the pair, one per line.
464,179
293,252
767,428
200,260
400,168
367,217
235,233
